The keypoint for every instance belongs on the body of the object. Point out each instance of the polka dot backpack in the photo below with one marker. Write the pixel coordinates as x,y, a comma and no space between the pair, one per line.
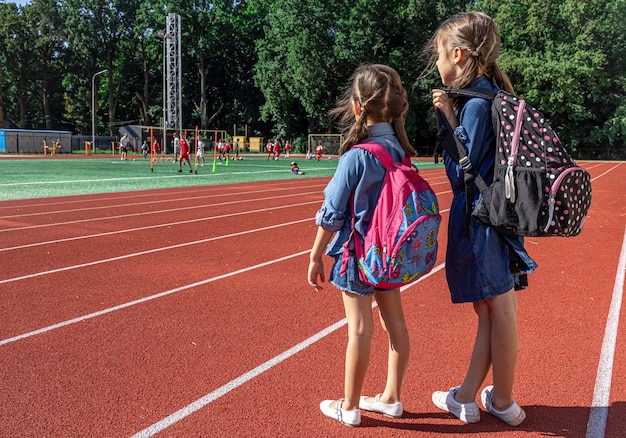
537,189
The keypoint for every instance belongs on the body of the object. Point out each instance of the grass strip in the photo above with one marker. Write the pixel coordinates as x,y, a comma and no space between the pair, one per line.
40,177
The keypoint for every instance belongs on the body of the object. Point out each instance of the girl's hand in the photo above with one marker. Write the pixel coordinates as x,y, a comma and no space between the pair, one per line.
316,270
441,101
316,266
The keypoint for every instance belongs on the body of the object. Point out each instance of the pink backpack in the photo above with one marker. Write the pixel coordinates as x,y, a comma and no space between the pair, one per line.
401,241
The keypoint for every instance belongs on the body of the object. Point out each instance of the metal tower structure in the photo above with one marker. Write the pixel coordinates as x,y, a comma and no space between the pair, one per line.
174,113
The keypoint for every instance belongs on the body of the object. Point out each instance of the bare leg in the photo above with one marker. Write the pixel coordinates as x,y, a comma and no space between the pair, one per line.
481,356
496,344
393,322
360,330
504,347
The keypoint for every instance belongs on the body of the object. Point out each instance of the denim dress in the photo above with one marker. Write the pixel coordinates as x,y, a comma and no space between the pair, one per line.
478,265
359,174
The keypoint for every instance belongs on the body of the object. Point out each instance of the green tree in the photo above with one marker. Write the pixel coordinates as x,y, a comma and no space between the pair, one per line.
143,61
297,70
246,98
309,50
561,56
279,65
610,104
16,42
420,19
211,33
46,25
95,30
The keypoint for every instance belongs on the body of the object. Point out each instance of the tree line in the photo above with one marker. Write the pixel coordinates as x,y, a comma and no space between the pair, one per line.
278,66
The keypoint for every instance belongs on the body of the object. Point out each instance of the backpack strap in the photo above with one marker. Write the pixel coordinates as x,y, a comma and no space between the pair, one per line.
461,150
385,158
457,150
381,154
483,93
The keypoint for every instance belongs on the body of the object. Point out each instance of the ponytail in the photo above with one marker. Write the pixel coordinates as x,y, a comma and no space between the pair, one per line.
501,80
381,97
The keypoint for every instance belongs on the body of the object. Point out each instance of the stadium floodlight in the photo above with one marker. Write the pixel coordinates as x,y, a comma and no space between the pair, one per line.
93,108
164,36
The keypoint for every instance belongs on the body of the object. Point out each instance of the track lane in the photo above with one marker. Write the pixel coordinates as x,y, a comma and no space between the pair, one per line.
302,379
134,276
179,345
557,419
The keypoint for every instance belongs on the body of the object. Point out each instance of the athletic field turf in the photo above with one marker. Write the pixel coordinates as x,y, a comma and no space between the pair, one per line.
38,177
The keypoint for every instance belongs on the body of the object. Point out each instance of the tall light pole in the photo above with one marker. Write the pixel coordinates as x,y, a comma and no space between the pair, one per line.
164,36
93,108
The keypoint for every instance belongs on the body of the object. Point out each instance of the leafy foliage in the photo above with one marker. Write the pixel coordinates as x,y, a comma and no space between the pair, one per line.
278,66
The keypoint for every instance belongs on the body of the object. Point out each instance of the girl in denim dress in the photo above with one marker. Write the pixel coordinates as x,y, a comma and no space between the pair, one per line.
373,109
478,264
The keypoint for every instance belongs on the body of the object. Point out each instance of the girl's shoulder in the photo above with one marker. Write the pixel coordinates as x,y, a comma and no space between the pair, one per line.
474,104
357,158
475,107
354,153
484,84
390,143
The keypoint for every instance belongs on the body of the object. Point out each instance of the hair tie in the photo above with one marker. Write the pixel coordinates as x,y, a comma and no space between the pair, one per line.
474,53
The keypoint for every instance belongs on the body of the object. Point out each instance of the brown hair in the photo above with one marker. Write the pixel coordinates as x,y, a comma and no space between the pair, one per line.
379,92
478,34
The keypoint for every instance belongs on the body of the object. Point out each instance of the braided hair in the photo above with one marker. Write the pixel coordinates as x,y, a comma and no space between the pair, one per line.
377,90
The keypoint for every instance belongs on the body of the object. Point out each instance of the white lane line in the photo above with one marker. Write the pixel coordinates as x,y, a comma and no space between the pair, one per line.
140,178
162,200
604,173
165,248
152,227
255,372
146,299
145,213
160,193
596,425
150,251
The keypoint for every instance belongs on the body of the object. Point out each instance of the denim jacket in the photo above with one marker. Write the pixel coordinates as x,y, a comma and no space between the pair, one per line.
360,174
474,131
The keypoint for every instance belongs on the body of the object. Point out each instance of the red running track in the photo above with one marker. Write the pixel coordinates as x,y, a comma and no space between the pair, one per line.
187,314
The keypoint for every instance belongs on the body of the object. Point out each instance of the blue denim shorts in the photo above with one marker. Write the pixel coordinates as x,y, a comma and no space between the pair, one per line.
350,281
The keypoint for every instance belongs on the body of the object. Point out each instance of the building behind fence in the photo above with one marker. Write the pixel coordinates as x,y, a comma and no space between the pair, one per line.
26,141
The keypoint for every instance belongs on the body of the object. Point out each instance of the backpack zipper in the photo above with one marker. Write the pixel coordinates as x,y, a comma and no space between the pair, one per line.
552,194
509,180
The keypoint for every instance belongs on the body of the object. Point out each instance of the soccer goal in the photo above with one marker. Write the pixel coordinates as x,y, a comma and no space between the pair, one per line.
330,143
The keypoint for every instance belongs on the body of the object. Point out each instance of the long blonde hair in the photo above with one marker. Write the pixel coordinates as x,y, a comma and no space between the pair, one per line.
381,97
477,33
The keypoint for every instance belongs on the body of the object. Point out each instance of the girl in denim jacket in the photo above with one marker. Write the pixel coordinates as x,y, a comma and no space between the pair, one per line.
373,109
478,264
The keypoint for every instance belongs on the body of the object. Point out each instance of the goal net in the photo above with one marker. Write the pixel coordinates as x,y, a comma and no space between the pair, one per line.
330,143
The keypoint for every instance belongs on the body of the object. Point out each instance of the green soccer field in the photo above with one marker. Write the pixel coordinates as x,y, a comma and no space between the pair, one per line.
40,177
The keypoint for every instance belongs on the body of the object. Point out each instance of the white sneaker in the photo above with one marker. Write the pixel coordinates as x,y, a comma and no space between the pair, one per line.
467,412
349,418
513,415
